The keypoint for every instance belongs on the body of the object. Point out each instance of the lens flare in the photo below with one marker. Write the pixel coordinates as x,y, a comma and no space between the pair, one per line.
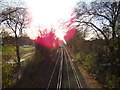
48,40
51,22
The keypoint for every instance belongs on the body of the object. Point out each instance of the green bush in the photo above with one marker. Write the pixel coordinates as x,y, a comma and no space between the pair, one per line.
80,57
99,72
90,63
7,74
8,50
112,81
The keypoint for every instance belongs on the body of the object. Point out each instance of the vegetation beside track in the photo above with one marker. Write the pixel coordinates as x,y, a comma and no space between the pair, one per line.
9,70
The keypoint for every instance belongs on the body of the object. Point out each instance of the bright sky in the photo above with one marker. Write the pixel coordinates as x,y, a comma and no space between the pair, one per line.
47,13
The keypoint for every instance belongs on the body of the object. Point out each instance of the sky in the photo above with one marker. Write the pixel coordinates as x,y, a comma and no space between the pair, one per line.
47,14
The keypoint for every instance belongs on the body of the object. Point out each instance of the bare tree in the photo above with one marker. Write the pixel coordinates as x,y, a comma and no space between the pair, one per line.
102,17
15,19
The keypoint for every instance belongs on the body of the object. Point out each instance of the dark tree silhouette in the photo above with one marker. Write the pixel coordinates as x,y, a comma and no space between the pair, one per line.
15,19
102,17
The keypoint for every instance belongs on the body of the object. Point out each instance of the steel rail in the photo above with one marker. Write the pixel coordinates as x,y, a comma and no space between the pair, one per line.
53,70
74,71
68,77
59,84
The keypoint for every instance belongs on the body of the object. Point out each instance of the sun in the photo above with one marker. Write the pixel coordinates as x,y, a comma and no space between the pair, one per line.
49,14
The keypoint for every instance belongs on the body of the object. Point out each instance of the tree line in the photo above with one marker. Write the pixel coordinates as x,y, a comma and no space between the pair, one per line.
101,53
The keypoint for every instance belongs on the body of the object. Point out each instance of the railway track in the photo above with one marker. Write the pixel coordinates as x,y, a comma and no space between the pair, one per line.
67,76
56,71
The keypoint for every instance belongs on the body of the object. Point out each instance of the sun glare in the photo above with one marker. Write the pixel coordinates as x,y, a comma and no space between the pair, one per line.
47,14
